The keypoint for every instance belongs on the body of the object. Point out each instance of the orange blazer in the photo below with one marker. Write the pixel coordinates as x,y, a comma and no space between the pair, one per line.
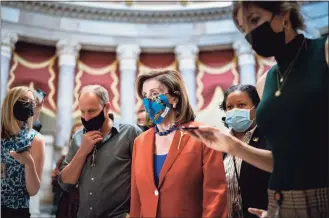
192,180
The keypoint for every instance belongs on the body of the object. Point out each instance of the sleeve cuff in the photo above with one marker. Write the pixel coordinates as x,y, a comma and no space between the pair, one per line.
65,186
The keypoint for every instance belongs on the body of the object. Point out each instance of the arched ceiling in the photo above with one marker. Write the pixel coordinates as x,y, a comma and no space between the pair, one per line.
136,12
154,27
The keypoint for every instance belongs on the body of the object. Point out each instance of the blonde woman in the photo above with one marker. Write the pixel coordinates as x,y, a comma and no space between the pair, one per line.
22,153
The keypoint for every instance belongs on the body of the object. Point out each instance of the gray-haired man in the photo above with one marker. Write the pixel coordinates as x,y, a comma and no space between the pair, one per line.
99,158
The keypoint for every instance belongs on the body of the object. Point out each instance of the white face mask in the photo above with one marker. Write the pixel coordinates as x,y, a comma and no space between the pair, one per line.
239,119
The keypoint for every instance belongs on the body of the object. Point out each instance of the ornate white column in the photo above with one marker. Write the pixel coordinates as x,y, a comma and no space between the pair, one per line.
67,52
8,40
246,61
187,56
128,55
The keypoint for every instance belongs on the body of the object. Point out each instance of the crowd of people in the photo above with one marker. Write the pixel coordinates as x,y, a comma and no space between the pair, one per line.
272,161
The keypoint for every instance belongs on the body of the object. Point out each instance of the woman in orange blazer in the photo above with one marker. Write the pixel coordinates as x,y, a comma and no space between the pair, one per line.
173,175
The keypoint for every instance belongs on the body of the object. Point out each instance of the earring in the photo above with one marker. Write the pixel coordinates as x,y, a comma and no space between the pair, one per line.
174,103
284,24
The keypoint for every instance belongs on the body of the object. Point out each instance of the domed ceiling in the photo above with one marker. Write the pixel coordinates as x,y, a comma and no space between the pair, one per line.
133,11
154,25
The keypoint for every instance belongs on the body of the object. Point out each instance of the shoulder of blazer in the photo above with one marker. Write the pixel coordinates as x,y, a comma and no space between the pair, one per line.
144,136
257,139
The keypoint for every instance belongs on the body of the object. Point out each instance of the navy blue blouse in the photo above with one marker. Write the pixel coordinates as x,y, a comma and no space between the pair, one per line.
158,163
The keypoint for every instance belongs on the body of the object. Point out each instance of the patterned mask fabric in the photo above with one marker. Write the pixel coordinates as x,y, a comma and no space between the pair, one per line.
157,108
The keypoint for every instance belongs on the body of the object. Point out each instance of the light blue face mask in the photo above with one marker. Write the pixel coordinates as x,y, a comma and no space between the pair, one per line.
239,119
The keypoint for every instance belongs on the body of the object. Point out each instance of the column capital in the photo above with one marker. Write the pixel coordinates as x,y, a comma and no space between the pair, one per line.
128,51
8,41
187,55
242,46
187,51
128,54
67,51
244,52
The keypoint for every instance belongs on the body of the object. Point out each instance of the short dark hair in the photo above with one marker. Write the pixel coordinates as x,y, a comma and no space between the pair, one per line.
250,90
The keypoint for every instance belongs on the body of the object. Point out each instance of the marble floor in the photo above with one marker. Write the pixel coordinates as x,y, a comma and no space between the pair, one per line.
45,212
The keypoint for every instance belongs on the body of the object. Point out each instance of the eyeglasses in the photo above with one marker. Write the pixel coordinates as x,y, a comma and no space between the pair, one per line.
28,101
153,94
158,100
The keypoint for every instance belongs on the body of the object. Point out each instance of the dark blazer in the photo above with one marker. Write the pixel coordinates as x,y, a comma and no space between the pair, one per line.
254,181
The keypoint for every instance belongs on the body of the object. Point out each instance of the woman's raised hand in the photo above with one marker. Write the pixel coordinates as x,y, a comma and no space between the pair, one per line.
258,212
213,138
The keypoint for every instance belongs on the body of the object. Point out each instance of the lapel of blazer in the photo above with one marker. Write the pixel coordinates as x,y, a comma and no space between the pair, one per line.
177,145
254,142
148,151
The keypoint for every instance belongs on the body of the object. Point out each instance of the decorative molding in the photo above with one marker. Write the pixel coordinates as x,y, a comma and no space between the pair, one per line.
67,51
187,56
85,69
83,11
49,64
128,51
8,41
18,17
188,51
204,69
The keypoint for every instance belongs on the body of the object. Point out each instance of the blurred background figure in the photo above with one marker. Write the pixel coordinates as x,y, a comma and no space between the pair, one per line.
141,119
66,204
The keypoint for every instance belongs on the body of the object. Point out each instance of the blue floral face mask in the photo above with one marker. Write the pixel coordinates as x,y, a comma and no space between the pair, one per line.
153,107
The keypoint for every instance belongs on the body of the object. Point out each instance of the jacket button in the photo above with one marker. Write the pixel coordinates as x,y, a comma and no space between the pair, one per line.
156,192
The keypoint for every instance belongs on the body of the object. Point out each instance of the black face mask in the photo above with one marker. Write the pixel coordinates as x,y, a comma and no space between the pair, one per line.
23,110
94,123
265,41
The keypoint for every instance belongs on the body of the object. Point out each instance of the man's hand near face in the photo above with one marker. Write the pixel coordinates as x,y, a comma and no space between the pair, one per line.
89,140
